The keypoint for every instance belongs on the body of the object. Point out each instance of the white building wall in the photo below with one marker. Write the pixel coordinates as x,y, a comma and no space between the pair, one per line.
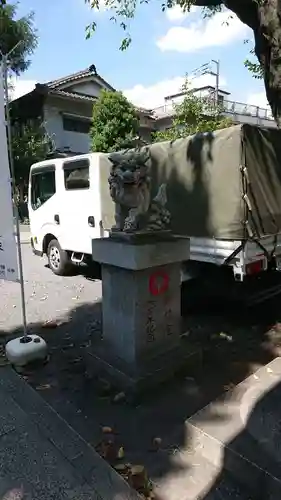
53,125
88,88
64,139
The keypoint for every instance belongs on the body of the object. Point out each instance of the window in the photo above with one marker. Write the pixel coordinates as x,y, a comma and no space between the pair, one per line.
72,124
43,185
76,174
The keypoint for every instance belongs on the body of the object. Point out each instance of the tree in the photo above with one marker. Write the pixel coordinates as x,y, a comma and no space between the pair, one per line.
18,33
254,67
262,16
194,114
115,122
30,144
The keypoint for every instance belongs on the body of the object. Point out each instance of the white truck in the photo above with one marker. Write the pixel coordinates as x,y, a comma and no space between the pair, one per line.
224,193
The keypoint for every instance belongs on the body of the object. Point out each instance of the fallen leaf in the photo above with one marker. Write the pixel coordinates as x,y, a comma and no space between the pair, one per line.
223,335
107,430
185,335
66,347
74,361
50,324
138,478
122,469
156,443
121,452
43,387
107,450
119,397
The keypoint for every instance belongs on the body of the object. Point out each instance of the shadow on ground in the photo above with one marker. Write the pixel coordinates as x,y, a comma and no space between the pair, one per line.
233,344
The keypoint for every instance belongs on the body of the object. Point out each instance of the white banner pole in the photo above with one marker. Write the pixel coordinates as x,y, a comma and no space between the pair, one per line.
4,111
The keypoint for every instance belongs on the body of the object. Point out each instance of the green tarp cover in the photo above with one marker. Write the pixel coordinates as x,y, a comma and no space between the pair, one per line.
224,184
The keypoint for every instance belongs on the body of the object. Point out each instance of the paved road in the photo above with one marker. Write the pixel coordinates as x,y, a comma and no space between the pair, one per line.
67,468
47,296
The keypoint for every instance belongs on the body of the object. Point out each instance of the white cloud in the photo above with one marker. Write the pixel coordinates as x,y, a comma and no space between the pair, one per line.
176,13
258,99
221,29
153,95
21,87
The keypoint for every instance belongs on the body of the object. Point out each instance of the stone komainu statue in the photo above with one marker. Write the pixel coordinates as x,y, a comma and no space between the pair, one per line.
130,189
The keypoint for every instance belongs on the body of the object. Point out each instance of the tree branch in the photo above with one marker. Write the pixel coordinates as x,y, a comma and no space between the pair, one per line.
208,3
246,10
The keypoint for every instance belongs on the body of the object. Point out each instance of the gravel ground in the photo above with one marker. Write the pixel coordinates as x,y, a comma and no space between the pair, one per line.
47,296
234,343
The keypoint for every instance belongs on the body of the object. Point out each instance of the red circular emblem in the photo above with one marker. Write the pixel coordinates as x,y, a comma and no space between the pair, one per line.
158,283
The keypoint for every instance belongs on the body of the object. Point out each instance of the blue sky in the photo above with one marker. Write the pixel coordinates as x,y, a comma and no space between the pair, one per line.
165,46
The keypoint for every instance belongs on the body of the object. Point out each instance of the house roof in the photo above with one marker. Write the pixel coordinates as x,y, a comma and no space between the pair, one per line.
210,87
196,89
86,73
64,93
59,87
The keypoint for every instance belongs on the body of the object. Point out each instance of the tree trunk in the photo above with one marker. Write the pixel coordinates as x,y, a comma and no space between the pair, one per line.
268,52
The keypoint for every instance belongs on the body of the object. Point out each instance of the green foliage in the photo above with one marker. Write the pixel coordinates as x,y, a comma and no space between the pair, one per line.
13,31
254,67
115,122
123,11
194,114
30,144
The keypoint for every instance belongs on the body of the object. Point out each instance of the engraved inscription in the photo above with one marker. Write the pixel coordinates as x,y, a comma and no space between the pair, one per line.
2,271
150,325
168,319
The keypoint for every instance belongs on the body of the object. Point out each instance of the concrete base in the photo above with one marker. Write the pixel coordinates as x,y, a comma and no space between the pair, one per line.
141,308
101,361
24,350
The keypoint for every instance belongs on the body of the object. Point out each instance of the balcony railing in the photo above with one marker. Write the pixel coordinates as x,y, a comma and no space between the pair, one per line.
231,107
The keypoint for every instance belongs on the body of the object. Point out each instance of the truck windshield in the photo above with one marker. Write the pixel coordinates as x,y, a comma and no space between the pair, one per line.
43,187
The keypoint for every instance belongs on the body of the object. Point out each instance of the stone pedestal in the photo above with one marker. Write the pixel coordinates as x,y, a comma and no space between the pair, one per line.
141,308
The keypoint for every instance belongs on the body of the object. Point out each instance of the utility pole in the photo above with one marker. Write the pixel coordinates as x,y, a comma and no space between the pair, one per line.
216,73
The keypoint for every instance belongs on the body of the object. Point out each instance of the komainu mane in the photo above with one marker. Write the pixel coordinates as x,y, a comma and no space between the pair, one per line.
130,189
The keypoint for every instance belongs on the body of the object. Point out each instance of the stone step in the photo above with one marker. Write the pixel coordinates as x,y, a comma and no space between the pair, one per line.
233,445
194,477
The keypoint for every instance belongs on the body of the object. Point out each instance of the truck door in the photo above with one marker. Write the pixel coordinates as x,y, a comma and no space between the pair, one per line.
79,218
42,203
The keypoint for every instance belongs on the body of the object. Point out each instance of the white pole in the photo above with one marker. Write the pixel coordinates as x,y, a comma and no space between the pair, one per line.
217,75
4,77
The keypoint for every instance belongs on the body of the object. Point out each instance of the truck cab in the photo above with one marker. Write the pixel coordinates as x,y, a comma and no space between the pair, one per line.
64,209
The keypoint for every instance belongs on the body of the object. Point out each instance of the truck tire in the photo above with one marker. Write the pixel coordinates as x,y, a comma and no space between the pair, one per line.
58,259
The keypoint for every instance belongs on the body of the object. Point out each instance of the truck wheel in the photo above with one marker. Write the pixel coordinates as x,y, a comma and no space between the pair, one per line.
58,259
